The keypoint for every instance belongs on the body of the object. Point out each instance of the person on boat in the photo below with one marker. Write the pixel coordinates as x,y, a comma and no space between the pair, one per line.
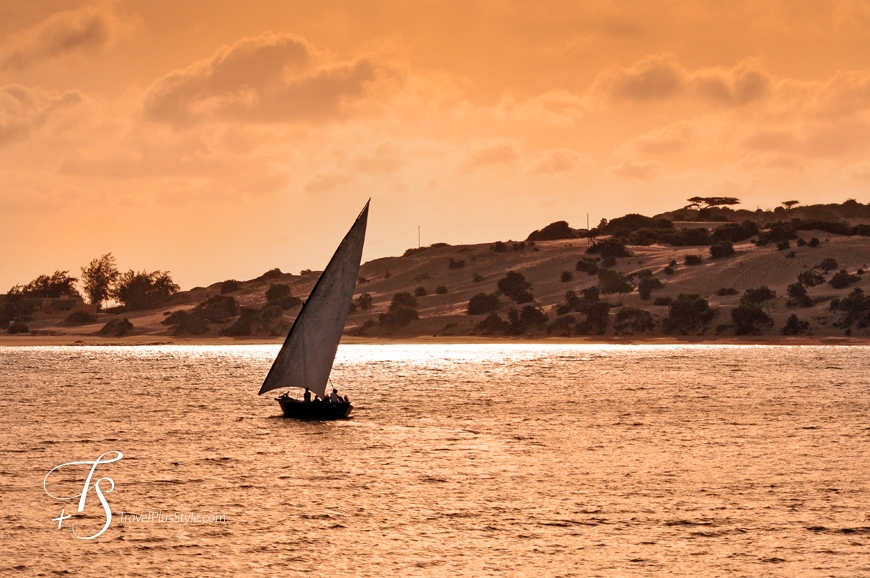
307,395
333,397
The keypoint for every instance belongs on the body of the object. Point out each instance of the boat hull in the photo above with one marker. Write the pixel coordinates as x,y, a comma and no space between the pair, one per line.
314,410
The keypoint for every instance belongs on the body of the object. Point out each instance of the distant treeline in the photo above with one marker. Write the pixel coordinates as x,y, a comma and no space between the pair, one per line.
726,224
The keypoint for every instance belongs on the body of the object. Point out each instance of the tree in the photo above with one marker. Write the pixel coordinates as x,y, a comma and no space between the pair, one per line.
712,202
99,277
483,303
364,301
59,284
610,281
515,286
144,290
789,204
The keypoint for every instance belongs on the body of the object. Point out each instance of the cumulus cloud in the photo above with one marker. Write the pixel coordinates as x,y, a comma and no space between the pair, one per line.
556,161
270,78
638,170
739,85
657,77
62,33
23,109
488,154
663,77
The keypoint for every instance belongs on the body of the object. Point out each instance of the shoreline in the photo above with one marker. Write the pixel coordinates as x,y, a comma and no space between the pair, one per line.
157,340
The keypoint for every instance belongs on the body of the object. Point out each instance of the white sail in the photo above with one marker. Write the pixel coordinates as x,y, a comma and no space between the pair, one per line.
306,358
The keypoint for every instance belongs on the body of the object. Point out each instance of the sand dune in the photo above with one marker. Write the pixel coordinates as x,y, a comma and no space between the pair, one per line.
444,316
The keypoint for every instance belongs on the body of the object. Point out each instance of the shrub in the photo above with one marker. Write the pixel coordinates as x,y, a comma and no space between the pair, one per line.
116,327
782,245
814,242
749,319
630,320
217,308
386,276
441,290
17,327
457,264
810,278
828,264
663,301
498,247
597,318
801,243
364,301
401,312
420,291
515,286
230,286
553,232
609,248
477,278
396,318
734,233
530,317
723,291
588,265
186,323
277,291
59,284
275,273
797,296
686,314
403,299
563,325
78,317
693,259
287,302
646,285
483,303
566,276
791,255
244,325
608,262
856,307
668,270
591,293
794,326
492,324
518,246
361,280
272,312
721,249
843,279
757,295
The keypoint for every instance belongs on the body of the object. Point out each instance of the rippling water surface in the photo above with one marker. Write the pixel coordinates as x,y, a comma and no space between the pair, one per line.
537,460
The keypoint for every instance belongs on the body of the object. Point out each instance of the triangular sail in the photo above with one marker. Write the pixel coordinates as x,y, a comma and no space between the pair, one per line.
306,358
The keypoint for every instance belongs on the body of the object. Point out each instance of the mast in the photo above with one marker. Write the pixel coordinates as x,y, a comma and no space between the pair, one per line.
306,358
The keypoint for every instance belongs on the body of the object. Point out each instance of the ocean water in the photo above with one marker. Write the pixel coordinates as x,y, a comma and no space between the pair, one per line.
461,460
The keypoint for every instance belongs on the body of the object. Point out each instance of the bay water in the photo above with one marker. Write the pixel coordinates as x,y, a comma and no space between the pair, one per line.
460,460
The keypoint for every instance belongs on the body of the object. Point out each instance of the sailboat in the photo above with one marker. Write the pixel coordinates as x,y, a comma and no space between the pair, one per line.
306,358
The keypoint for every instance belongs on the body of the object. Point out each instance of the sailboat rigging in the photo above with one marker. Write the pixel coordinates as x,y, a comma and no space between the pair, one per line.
305,360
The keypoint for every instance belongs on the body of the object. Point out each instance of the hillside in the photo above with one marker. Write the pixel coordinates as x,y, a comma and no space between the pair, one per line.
542,264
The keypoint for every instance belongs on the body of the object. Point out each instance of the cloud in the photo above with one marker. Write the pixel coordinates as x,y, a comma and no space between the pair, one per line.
639,170
557,107
740,85
659,78
489,154
654,78
556,161
62,33
23,109
270,78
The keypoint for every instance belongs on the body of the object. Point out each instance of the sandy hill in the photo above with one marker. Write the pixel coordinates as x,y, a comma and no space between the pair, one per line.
542,264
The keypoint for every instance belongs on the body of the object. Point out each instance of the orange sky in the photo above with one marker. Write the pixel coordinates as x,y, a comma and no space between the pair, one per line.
221,139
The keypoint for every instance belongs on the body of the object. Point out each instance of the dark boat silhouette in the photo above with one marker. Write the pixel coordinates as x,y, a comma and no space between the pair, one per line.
306,358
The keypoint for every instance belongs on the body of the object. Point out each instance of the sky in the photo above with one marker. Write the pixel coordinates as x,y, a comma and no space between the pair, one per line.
219,139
